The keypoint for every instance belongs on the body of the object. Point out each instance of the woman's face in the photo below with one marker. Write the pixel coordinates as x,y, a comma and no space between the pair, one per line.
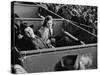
49,23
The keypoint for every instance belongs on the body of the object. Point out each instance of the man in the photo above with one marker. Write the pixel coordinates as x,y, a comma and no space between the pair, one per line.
30,41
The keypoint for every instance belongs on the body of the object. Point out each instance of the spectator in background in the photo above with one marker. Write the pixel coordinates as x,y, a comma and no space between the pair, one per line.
52,7
16,29
64,12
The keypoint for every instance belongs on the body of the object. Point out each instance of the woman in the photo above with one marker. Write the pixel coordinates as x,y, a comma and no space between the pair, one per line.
46,31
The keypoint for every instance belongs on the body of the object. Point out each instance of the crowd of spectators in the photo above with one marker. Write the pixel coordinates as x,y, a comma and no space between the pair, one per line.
86,15
82,14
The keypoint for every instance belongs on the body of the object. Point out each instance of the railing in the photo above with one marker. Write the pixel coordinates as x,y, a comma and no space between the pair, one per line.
50,50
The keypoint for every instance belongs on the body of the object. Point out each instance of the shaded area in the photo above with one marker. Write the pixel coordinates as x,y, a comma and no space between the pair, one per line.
66,63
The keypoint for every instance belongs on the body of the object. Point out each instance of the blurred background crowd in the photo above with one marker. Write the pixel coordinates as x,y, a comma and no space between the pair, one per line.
86,15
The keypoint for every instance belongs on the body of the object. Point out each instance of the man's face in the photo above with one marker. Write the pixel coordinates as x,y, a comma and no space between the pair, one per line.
29,32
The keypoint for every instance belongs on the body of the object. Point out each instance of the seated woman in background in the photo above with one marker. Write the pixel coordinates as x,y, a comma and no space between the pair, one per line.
46,31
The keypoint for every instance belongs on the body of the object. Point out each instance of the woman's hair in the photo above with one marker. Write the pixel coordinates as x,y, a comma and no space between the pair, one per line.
47,18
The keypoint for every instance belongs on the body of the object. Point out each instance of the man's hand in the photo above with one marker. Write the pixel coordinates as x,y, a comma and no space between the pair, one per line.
20,36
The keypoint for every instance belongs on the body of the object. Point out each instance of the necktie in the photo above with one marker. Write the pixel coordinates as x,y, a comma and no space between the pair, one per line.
49,33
